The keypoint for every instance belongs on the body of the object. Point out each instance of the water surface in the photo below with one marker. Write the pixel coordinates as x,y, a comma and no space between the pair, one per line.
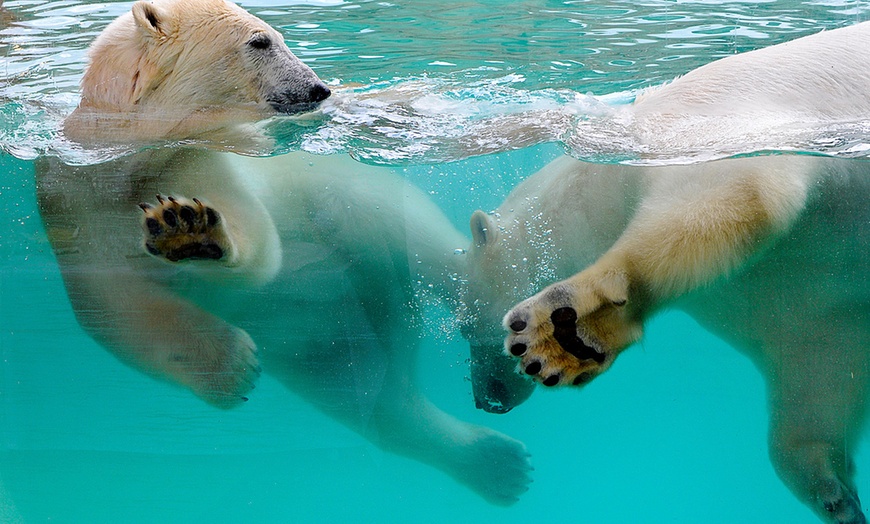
675,433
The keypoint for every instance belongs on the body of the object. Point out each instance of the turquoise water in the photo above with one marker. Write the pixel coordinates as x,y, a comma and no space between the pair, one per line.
676,433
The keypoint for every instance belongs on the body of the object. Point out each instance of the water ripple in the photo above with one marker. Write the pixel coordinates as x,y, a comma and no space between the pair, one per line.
431,81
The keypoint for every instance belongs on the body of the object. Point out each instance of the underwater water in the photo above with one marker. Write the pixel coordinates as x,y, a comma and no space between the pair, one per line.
676,432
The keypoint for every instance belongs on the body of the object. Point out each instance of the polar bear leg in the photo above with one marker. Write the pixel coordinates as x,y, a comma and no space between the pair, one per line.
371,389
818,403
695,224
218,221
92,226
564,334
493,465
157,332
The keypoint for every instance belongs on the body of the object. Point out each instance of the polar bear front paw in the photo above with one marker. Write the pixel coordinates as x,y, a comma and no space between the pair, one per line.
571,331
180,229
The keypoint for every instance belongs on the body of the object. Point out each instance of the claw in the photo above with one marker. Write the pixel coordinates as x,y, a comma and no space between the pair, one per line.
160,198
145,206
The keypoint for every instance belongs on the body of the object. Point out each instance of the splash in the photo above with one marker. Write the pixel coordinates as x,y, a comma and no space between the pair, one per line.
500,94
435,120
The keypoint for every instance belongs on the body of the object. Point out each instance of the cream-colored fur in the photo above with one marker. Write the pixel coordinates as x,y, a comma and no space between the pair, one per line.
307,263
154,75
768,252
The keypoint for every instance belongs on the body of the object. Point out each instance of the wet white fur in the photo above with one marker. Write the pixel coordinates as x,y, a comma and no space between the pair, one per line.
768,252
320,263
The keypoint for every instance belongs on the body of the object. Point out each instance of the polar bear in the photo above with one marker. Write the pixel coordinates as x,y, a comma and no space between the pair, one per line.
771,253
304,262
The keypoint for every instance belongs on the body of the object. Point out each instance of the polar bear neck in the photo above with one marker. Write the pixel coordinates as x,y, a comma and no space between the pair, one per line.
528,217
117,62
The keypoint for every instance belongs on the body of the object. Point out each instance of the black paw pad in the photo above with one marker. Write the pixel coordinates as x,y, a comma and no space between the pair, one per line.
211,215
154,228
551,381
195,251
565,332
518,350
170,218
582,378
564,317
187,215
534,368
518,325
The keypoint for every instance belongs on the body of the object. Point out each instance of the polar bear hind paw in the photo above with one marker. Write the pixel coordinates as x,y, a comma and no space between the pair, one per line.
179,229
496,467
222,370
841,504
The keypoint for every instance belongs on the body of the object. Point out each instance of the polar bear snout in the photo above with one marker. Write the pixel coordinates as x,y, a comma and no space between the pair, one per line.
320,92
490,400
286,83
495,385
292,102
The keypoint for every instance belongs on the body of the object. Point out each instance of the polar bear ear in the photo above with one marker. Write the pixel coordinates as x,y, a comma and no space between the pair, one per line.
151,19
482,229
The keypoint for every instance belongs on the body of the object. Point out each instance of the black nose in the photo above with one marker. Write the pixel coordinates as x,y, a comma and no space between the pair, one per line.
319,93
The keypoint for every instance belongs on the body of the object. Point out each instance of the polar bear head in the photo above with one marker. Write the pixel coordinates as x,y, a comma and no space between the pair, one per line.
175,61
496,281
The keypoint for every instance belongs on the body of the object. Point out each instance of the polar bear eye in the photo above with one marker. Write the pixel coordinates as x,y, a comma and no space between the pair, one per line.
260,41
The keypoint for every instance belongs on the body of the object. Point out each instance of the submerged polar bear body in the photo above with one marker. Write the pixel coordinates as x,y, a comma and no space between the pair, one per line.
768,252
796,303
305,263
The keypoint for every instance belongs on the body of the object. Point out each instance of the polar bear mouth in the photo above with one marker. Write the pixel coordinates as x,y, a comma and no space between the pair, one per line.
290,105
295,108
493,406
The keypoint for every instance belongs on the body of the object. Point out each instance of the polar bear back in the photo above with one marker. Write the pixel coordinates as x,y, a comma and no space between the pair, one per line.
821,76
